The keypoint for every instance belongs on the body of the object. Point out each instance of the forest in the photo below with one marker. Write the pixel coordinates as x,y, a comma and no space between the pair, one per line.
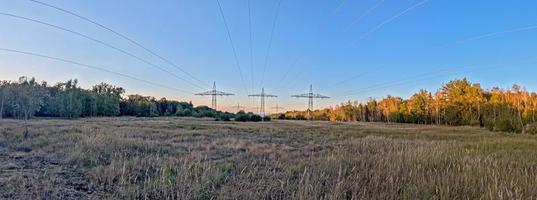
28,98
458,102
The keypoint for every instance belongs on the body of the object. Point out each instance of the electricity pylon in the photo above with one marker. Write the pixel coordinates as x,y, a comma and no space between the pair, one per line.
239,107
277,107
262,96
310,97
213,93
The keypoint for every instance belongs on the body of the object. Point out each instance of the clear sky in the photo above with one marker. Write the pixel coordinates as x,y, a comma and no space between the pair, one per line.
348,49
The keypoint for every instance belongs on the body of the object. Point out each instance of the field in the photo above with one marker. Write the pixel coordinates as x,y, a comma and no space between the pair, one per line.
184,158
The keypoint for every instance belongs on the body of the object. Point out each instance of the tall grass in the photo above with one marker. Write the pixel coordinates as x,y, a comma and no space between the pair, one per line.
178,158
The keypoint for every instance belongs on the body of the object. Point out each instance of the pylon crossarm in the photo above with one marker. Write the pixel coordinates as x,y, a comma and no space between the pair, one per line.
300,96
259,95
320,96
219,93
223,93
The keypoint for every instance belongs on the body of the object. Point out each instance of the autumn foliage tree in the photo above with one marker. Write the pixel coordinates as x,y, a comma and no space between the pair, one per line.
458,102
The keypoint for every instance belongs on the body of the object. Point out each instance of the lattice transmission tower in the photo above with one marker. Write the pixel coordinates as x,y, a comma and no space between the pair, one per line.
213,93
310,97
262,97
238,107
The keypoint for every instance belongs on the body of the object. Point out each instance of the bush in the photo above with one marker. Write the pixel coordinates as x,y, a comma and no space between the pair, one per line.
255,118
223,116
241,116
531,129
266,118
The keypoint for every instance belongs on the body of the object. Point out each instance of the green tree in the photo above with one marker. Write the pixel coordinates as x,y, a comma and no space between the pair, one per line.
463,102
26,97
108,98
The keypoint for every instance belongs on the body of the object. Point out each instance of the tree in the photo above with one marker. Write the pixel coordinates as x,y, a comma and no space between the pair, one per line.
108,98
419,105
27,97
4,91
389,108
463,101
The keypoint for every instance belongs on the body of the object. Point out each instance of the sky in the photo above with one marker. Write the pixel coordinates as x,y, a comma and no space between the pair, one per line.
349,50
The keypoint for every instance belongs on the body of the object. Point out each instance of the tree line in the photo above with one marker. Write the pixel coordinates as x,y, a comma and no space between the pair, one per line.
27,98
459,102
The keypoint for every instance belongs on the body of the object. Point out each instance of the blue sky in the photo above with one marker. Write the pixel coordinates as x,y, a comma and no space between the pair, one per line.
392,47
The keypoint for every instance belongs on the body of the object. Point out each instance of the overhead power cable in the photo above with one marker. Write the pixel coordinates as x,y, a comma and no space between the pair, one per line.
102,43
427,76
482,36
103,69
488,35
237,63
369,10
393,18
251,43
122,36
269,47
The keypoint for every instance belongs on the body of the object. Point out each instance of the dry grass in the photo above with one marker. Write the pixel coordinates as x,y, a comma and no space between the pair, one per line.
182,158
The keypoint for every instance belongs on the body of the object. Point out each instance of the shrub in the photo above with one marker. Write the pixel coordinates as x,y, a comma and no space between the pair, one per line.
531,128
255,118
241,116
266,118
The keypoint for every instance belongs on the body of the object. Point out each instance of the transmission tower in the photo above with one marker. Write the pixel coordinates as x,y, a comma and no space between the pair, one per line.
239,107
277,107
262,96
310,97
213,93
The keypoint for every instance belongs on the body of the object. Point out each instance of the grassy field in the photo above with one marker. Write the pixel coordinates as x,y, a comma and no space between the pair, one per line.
183,158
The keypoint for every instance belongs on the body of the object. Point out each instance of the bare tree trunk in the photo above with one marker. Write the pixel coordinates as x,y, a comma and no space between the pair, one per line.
26,132
494,113
533,115
520,117
479,116
2,108
521,122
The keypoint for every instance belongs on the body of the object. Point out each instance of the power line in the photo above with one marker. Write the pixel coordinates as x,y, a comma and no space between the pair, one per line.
303,54
296,76
289,70
344,81
340,6
104,69
404,79
238,107
232,44
427,76
483,36
487,35
398,15
267,55
122,36
251,43
102,43
352,78
369,10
